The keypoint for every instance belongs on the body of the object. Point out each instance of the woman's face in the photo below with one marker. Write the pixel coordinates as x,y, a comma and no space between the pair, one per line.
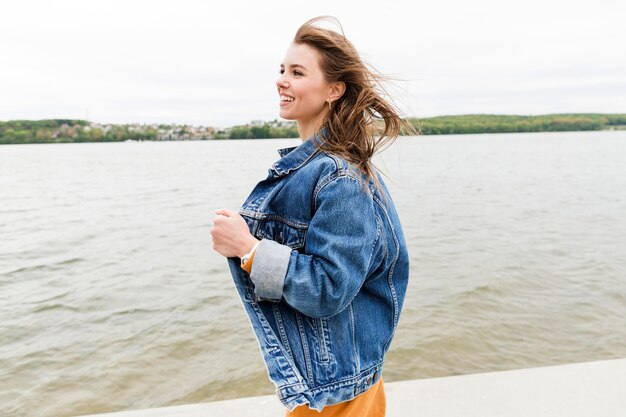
302,80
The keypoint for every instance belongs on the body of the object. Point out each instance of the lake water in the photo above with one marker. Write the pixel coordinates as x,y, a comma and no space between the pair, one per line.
111,297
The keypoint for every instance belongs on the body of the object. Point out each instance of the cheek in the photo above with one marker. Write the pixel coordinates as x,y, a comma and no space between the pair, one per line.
313,97
310,91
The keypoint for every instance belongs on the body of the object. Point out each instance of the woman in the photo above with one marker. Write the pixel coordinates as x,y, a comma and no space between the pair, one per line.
317,251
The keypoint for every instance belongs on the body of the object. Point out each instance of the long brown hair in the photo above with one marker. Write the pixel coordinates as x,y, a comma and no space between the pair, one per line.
361,122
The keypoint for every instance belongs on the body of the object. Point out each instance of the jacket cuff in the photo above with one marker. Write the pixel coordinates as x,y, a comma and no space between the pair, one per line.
271,261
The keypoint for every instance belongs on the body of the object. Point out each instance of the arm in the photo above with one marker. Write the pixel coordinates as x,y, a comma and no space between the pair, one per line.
340,244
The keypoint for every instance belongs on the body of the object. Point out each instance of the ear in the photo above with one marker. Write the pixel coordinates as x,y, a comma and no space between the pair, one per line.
336,90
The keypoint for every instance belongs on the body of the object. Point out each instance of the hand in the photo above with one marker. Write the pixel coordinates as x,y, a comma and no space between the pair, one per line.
230,234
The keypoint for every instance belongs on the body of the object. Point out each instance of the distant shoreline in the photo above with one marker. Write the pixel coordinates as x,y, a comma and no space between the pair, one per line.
79,131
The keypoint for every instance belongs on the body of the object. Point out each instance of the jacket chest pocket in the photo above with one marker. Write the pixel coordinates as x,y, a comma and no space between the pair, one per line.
282,231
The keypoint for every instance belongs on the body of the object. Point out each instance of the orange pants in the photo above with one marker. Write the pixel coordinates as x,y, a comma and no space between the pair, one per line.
371,403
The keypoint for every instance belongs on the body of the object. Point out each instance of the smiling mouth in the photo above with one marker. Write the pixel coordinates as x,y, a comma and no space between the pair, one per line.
286,100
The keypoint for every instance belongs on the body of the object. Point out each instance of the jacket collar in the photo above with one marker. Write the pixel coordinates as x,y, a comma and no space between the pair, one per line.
294,157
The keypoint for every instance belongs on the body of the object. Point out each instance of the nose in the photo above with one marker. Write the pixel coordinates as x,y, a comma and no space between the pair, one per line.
281,82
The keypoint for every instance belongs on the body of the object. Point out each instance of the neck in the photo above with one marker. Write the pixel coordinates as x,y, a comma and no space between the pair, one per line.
305,132
306,128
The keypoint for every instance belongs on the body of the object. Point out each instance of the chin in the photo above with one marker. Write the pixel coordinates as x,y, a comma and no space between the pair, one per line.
285,116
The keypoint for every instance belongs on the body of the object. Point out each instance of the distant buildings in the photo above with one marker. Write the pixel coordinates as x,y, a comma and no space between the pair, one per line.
70,130
159,131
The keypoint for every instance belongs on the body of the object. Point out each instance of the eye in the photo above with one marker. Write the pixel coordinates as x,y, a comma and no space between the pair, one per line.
297,73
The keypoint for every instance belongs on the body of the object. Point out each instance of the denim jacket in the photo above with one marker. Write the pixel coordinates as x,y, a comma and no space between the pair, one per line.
328,278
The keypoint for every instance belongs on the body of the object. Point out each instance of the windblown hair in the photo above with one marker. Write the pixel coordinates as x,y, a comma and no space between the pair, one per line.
361,122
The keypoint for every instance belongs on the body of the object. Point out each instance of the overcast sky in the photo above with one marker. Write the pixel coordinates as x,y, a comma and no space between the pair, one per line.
215,62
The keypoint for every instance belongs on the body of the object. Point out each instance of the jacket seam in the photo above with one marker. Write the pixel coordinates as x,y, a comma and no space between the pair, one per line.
264,216
330,178
305,346
320,185
346,381
390,274
282,172
281,330
353,330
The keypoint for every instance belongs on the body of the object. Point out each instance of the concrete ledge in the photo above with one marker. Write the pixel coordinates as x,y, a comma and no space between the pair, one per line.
589,389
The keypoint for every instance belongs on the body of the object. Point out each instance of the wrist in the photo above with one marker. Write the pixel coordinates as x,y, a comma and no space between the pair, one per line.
247,247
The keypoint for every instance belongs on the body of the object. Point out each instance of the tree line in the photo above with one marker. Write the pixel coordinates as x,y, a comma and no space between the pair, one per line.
70,130
492,123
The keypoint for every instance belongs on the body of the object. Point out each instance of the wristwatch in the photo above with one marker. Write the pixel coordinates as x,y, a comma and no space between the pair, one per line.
247,256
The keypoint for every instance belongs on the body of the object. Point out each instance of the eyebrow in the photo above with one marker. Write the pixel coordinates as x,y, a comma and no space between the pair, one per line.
295,65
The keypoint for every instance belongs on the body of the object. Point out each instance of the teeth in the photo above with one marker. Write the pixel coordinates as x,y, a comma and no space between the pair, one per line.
285,98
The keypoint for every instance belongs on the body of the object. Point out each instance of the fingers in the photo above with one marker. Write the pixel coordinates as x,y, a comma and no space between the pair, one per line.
225,212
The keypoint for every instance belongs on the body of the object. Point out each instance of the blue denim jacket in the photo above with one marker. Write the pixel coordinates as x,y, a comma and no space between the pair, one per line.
328,278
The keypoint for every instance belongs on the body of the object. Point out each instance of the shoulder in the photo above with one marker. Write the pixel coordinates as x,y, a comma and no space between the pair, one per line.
329,167
335,178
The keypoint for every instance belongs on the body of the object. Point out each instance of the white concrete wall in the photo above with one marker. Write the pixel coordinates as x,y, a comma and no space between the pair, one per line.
589,389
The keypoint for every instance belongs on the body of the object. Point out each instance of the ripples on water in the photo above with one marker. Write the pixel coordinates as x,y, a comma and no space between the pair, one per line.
111,297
